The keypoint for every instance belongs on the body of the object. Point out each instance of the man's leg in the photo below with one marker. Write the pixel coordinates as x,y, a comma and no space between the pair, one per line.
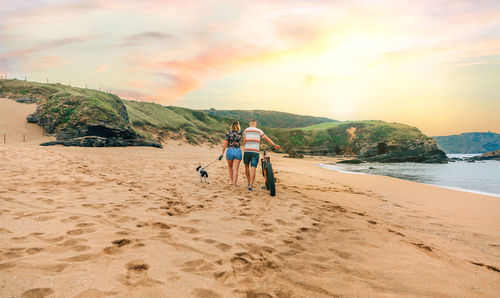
253,167
252,175
247,173
246,161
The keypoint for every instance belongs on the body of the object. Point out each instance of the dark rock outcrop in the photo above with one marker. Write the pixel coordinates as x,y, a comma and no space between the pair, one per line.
492,155
422,150
27,100
294,154
351,161
94,141
417,155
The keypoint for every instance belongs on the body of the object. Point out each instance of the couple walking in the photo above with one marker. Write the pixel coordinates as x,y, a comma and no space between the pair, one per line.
250,138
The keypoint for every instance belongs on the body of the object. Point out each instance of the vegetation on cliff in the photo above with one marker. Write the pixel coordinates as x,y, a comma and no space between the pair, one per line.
375,140
471,142
271,118
178,123
70,113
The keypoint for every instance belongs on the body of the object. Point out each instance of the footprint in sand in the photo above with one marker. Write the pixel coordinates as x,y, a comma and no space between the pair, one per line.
7,265
137,271
205,293
77,232
44,218
248,233
223,246
189,230
117,244
80,258
241,262
37,293
11,255
33,250
80,248
84,224
95,293
5,231
160,225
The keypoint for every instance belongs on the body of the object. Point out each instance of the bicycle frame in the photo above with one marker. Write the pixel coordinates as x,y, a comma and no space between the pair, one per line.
264,160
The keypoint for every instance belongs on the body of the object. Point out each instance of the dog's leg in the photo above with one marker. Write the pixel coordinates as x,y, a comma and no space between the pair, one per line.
208,182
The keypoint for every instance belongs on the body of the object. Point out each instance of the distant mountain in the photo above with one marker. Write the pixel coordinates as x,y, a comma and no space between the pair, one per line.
271,118
471,142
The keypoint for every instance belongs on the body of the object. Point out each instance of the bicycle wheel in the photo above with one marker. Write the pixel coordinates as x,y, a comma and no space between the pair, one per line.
270,182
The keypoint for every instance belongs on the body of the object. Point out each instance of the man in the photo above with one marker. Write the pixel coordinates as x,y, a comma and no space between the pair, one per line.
251,140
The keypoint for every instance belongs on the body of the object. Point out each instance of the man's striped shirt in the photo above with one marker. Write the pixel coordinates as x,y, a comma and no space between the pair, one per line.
253,136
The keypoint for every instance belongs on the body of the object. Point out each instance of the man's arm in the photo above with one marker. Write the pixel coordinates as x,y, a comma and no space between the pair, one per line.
271,142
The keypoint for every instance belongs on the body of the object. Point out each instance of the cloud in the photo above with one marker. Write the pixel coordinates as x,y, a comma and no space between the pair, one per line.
45,62
30,56
102,68
145,37
48,45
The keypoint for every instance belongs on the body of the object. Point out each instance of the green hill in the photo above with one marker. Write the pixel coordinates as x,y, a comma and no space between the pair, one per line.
271,118
375,140
471,142
84,117
176,122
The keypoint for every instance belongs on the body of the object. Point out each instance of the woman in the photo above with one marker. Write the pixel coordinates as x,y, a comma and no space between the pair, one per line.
233,154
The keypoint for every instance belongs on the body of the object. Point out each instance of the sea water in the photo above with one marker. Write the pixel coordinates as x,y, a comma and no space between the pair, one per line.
479,177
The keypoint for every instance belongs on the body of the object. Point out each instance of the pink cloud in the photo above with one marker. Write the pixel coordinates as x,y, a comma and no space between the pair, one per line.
48,45
102,68
45,62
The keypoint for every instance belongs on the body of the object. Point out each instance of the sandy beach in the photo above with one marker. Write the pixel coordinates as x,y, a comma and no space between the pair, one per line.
137,222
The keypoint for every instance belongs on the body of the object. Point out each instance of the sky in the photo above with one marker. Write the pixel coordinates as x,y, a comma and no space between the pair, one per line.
430,64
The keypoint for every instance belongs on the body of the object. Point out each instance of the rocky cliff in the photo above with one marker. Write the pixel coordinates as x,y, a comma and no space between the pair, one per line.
492,155
375,141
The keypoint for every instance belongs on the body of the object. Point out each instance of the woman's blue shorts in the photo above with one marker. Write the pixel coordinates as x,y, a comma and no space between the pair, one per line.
233,153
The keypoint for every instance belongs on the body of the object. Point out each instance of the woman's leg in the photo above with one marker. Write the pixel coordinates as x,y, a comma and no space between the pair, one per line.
236,166
230,169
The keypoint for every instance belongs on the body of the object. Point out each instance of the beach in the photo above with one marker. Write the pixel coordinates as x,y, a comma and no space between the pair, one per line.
137,222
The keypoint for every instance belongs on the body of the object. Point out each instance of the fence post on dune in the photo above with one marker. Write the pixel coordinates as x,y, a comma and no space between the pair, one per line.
4,138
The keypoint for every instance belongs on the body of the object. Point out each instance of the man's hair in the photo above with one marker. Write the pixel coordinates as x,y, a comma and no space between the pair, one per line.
253,121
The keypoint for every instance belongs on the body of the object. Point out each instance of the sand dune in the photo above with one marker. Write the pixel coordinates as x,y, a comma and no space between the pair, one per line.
137,222
14,126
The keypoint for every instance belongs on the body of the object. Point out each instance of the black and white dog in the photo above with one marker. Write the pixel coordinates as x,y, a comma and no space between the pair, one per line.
203,174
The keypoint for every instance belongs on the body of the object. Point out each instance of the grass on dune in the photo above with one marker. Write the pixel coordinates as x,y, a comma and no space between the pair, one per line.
195,126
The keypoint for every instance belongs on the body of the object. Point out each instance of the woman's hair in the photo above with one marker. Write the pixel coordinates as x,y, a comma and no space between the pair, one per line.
236,126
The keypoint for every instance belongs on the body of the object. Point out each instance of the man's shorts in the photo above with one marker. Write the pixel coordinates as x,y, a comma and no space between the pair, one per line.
251,158
233,153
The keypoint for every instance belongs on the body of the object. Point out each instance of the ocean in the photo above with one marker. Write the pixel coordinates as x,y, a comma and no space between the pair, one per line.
479,177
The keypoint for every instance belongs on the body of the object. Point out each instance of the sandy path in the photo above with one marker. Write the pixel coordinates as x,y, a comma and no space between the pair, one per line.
136,222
